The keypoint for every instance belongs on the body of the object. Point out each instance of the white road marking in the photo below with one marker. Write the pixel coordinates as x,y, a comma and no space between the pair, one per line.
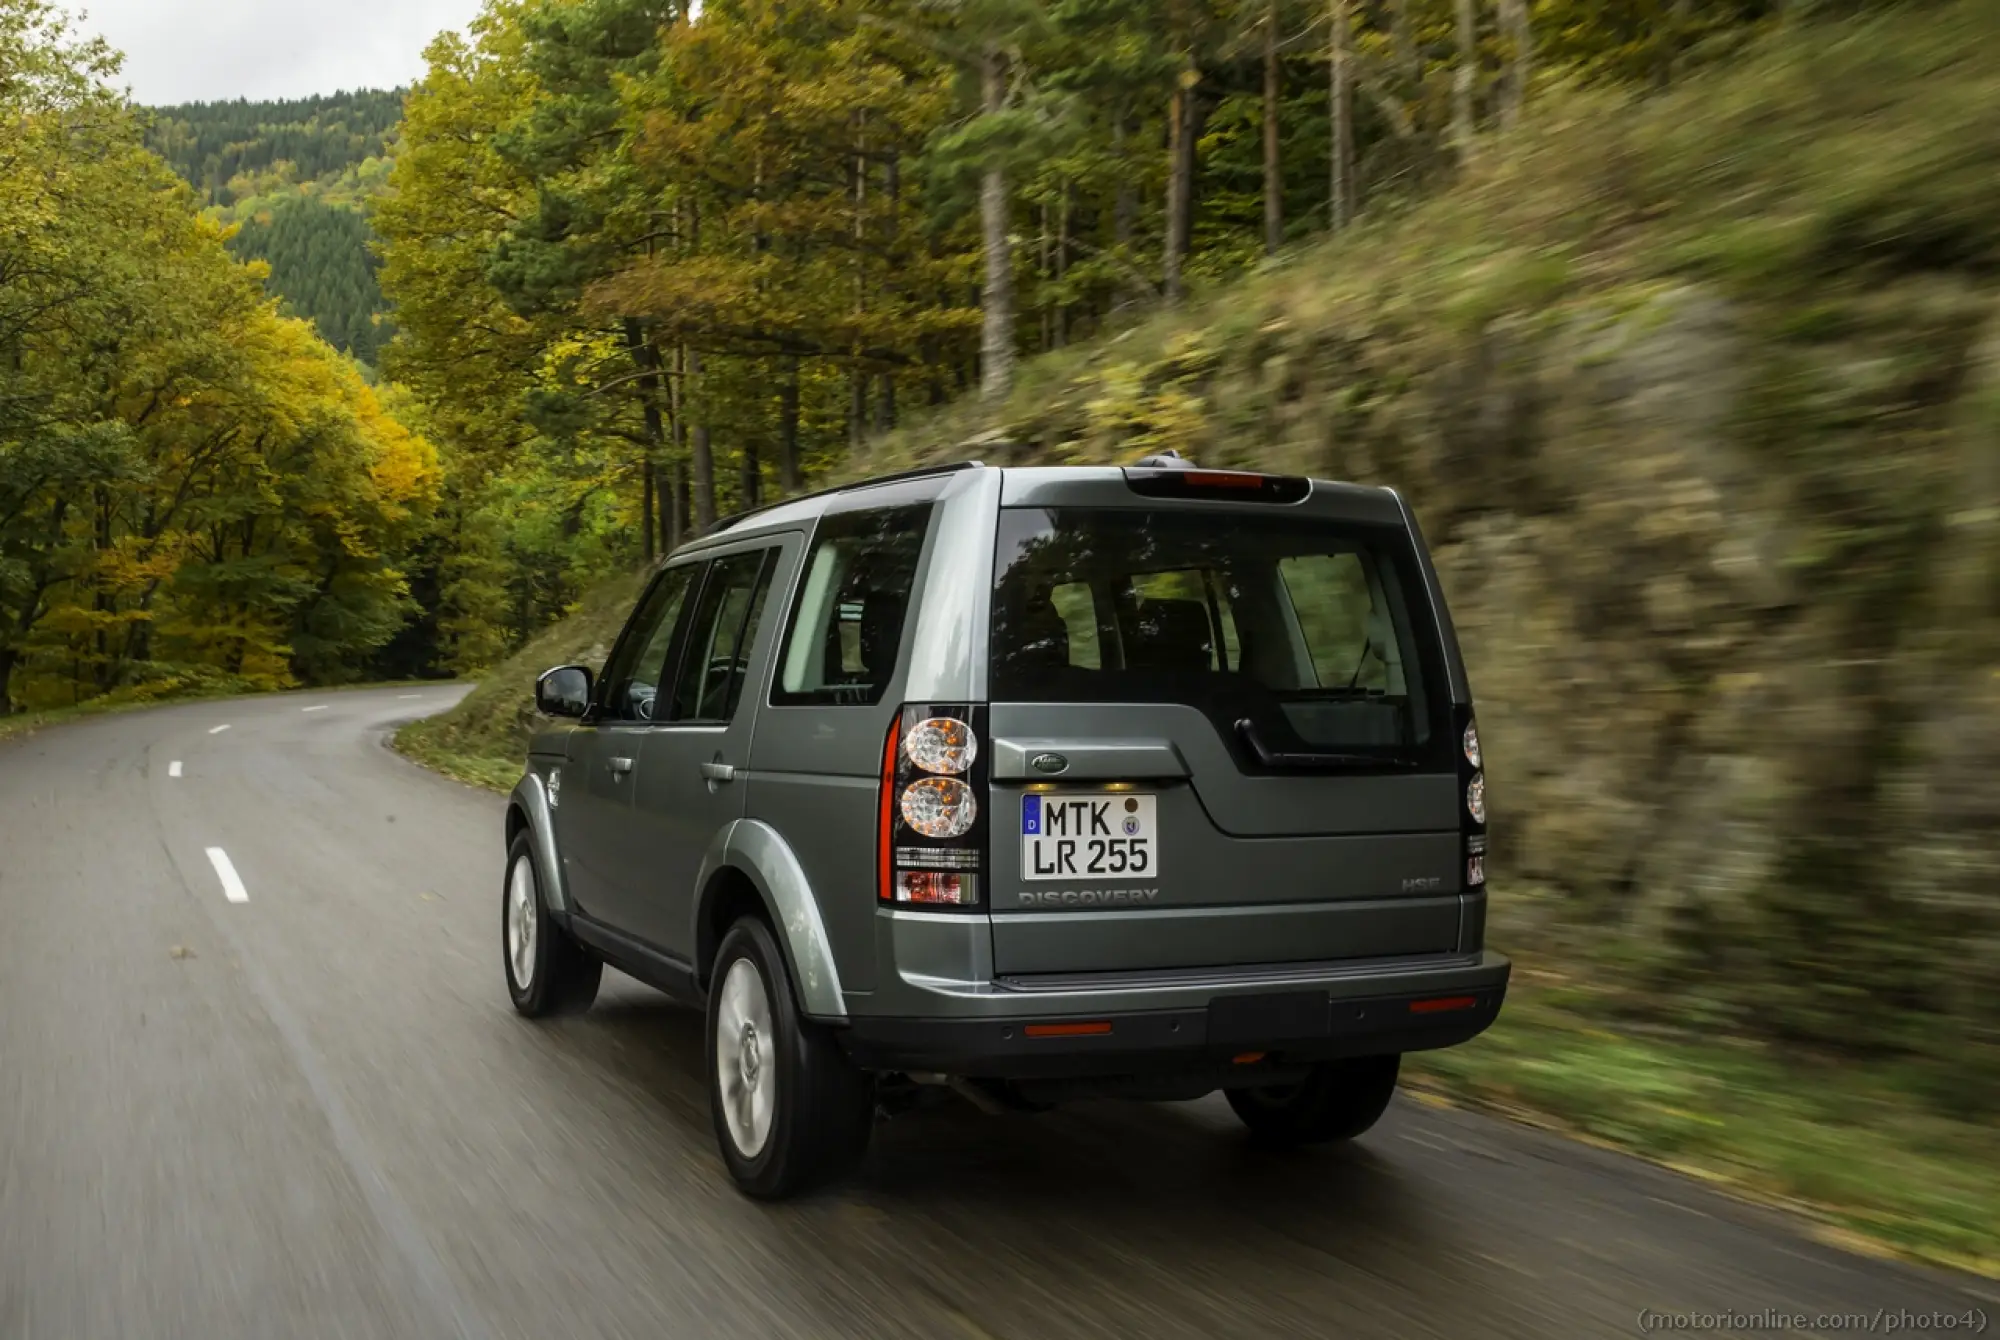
320,708
219,729
232,883
174,768
407,696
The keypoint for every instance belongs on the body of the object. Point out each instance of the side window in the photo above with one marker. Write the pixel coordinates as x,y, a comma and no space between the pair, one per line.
847,623
720,638
632,681
1077,606
1345,619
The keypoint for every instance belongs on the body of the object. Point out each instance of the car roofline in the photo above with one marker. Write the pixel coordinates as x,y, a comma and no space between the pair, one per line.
723,527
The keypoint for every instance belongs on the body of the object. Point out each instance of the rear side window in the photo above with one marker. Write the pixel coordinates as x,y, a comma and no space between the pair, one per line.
847,621
1315,632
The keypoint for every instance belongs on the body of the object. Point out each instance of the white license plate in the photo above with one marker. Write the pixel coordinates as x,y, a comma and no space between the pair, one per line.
1106,836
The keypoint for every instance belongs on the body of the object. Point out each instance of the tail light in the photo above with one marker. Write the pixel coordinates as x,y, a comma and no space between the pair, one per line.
931,845
1472,799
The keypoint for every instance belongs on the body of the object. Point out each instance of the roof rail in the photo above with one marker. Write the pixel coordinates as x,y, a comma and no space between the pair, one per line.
722,524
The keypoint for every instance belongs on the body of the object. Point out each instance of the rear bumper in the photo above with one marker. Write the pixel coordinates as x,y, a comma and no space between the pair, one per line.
1295,1020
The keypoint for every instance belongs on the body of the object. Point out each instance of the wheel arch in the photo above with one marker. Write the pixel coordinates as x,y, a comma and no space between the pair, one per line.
528,812
750,868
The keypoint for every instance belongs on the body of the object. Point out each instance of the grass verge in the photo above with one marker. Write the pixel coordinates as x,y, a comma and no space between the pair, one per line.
1868,1167
429,742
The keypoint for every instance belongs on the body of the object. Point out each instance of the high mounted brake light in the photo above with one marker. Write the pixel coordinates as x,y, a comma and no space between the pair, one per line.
1235,485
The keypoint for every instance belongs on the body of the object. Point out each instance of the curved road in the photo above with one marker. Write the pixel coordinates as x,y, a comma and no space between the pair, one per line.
310,1112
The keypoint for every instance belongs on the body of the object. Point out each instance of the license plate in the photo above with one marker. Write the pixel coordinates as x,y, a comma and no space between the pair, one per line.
1105,836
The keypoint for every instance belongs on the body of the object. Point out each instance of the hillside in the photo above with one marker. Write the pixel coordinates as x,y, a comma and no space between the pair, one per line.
1698,398
297,177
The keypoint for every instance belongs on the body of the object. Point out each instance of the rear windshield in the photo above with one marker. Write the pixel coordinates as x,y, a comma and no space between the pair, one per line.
1313,632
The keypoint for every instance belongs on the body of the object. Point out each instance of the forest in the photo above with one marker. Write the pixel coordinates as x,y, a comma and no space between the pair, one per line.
196,491
648,268
297,179
645,268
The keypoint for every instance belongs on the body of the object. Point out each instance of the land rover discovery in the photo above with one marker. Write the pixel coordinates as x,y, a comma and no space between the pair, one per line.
1032,784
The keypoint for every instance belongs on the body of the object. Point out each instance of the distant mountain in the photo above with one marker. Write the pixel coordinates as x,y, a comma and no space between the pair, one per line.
297,176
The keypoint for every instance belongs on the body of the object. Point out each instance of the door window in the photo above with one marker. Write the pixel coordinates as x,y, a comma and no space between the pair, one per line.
632,680
721,636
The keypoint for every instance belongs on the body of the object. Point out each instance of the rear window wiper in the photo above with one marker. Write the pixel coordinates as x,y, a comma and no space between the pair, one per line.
1320,759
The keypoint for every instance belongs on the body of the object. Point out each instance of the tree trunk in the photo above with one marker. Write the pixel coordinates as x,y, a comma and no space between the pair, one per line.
663,483
1463,77
646,507
1520,40
1124,213
857,400
1274,180
1045,271
788,427
750,476
857,407
1340,53
996,334
646,360
701,457
683,501
1062,261
885,404
1176,220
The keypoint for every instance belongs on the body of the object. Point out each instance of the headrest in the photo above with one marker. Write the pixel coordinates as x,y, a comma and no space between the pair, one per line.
1172,635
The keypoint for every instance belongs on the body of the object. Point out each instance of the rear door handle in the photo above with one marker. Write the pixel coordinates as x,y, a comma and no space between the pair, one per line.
619,766
718,772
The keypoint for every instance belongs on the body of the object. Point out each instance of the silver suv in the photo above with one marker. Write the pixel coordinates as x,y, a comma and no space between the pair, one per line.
1031,784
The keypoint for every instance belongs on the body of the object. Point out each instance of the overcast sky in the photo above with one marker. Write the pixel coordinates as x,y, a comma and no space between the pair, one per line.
205,50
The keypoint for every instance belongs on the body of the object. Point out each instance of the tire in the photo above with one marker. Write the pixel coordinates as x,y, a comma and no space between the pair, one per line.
561,975
1337,1101
791,1112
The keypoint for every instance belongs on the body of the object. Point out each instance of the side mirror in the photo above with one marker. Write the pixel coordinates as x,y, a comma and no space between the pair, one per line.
564,691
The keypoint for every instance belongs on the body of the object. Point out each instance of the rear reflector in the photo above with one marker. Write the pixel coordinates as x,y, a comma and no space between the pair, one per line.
935,886
1439,1004
1067,1030
1248,1058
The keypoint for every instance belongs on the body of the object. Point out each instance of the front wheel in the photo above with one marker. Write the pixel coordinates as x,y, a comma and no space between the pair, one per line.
790,1110
548,972
1338,1100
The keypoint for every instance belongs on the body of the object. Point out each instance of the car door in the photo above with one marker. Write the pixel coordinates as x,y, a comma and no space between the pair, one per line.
688,784
595,823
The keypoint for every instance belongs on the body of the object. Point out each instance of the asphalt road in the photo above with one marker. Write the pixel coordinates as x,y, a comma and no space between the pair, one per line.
312,1113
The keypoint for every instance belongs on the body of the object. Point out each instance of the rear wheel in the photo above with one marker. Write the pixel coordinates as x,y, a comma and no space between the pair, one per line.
791,1112
1337,1101
548,972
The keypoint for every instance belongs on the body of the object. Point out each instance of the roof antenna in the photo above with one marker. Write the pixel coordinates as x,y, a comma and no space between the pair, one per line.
1169,459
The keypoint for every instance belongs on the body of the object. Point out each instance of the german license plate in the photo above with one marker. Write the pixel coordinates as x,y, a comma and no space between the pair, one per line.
1104,835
